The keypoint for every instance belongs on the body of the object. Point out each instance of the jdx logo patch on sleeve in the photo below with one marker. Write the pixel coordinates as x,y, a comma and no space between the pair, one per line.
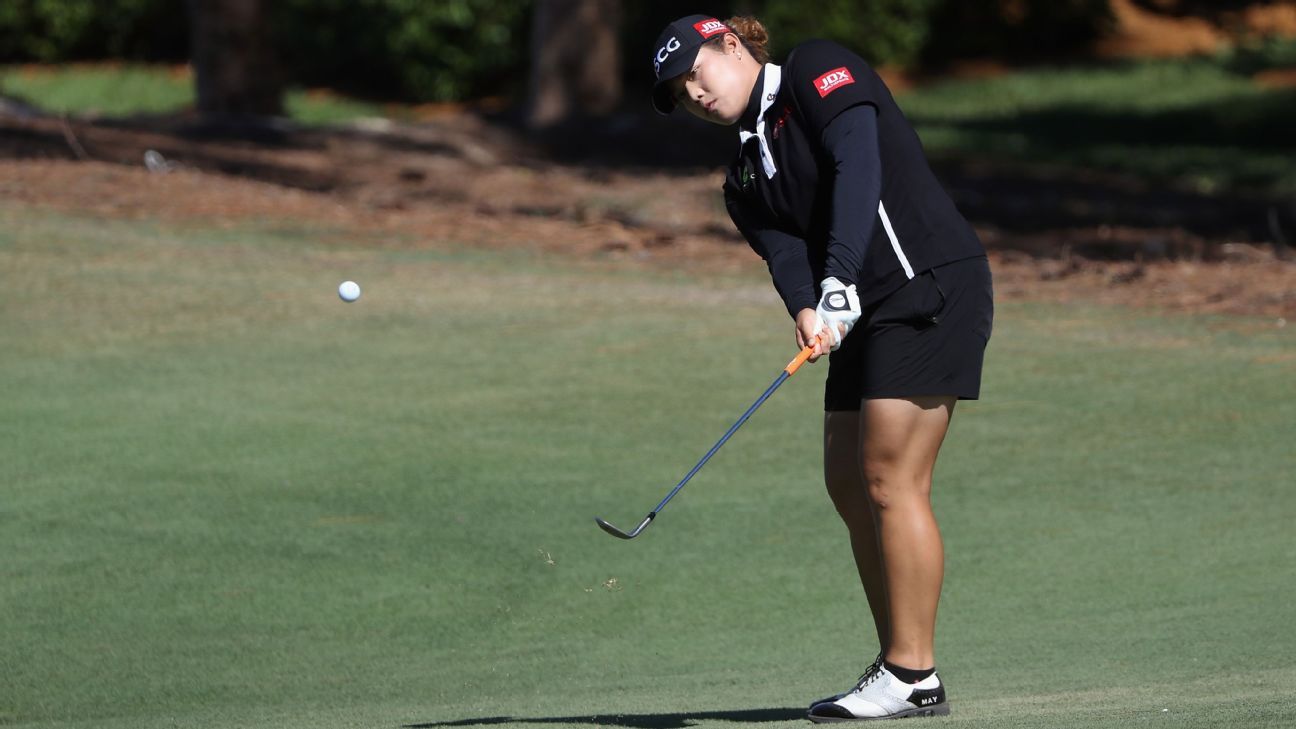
708,28
833,80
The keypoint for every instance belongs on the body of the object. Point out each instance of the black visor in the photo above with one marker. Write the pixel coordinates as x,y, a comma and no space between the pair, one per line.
674,52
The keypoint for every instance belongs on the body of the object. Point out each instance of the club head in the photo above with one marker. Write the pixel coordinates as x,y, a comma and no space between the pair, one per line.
620,534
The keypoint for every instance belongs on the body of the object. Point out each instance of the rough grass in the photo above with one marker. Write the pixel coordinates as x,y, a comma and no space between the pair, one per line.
131,89
230,499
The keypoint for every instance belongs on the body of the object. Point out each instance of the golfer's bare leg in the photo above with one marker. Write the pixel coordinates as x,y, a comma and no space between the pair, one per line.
849,494
900,440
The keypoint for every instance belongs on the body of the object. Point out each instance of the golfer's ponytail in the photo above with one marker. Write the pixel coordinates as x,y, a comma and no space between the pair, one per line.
752,34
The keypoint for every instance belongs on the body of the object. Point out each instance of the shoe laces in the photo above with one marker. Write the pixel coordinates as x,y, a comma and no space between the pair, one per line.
872,674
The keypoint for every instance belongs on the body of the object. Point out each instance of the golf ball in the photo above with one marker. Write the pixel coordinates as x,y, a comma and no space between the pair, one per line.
349,291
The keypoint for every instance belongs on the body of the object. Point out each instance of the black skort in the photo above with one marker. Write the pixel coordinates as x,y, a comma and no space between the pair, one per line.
927,338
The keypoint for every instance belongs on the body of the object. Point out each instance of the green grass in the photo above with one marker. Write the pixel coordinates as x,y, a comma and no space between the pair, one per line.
113,90
1200,122
124,90
229,499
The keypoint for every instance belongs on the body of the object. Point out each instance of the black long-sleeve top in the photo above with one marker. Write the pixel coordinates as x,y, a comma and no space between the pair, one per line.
851,194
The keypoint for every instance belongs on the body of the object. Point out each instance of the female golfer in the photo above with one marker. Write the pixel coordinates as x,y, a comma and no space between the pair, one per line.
831,187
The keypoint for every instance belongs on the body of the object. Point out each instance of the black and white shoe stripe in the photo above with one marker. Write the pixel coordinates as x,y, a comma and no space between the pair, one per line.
880,695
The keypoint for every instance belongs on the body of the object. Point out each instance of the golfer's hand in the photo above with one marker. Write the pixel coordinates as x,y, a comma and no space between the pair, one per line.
838,309
807,334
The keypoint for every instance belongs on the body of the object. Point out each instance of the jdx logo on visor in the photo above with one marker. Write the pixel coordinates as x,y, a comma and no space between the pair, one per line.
705,28
708,28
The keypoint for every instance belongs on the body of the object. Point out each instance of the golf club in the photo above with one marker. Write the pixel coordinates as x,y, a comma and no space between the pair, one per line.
787,372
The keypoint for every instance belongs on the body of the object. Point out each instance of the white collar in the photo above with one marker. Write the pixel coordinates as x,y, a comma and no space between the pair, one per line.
773,79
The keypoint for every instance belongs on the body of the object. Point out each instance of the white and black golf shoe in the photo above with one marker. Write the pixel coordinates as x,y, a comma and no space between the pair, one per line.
880,695
877,663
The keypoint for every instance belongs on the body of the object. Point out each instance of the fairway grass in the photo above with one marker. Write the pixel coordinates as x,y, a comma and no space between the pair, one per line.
229,499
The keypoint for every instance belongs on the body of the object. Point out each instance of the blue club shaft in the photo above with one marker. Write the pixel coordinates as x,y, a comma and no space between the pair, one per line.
788,371
732,429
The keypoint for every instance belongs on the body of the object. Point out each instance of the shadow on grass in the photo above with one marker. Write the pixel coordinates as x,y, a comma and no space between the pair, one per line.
680,720
1243,143
1250,122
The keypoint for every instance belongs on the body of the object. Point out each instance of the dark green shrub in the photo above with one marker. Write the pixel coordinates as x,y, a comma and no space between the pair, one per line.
1014,30
414,50
882,31
70,30
408,49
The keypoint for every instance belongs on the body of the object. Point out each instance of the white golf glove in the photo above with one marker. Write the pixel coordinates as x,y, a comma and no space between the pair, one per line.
838,305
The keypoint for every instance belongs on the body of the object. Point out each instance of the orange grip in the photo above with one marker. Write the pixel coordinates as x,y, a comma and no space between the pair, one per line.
795,364
801,358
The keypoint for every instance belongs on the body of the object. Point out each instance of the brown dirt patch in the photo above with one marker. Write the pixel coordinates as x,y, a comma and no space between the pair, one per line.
1276,18
1142,32
459,180
1277,78
1168,28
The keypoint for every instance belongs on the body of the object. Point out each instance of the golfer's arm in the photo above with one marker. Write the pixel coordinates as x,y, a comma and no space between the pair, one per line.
851,140
785,255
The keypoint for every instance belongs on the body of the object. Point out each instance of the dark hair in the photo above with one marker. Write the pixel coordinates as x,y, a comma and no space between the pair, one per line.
751,33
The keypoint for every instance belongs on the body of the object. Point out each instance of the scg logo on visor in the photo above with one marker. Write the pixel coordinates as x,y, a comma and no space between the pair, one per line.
663,53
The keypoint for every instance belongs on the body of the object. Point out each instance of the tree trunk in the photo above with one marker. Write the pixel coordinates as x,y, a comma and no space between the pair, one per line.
575,60
233,57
